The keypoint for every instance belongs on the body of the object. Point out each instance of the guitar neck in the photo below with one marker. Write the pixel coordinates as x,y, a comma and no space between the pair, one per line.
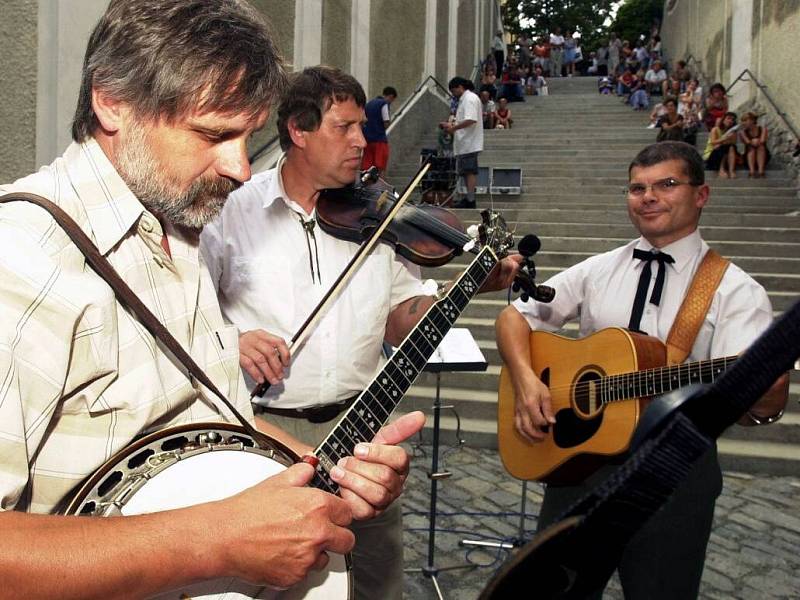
654,382
372,408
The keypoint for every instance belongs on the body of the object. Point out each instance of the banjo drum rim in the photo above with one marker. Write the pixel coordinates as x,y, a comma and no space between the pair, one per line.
94,480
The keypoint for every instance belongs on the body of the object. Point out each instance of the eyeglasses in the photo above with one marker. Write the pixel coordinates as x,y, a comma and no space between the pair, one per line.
662,187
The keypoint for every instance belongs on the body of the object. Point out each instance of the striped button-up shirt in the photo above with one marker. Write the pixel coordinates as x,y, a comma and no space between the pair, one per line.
80,377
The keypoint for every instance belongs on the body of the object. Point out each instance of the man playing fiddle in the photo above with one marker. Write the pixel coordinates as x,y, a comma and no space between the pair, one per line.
171,91
272,265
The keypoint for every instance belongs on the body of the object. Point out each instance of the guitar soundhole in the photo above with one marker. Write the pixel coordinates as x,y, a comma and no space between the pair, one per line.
586,399
109,483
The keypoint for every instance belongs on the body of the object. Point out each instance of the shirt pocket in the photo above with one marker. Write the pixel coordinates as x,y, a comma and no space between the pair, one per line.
264,291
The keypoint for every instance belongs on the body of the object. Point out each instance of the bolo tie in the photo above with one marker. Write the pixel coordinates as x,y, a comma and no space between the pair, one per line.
644,283
308,228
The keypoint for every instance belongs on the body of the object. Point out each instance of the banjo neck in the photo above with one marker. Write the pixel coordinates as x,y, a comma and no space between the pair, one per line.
373,407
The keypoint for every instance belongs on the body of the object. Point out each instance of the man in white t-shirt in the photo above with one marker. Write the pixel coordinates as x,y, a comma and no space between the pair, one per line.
556,52
467,131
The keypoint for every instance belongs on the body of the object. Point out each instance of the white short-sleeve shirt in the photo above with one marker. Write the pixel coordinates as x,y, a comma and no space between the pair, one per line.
469,139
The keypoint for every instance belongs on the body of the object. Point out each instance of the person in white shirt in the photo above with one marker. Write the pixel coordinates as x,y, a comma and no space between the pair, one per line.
665,195
654,78
556,52
272,264
467,131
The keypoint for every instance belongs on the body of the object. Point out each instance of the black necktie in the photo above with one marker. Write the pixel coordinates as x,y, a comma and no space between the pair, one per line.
644,283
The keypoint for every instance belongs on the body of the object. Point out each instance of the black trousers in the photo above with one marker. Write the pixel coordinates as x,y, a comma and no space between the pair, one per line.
664,560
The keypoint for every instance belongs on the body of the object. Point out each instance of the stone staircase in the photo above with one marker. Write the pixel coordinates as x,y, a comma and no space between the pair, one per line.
574,148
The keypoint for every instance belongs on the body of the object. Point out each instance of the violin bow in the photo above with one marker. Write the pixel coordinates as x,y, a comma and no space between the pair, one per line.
347,273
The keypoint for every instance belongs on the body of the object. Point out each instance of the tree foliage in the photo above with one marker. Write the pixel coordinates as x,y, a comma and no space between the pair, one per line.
587,17
636,17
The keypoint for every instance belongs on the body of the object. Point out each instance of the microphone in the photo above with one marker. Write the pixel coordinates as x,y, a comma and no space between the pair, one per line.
528,246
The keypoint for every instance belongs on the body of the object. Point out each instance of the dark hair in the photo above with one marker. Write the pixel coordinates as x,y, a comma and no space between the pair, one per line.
725,116
670,99
389,91
663,151
165,58
458,82
716,86
310,94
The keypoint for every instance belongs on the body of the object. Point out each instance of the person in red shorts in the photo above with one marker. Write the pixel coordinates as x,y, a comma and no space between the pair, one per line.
377,111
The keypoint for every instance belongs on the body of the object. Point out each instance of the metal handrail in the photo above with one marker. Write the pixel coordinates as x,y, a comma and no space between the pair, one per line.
408,100
781,113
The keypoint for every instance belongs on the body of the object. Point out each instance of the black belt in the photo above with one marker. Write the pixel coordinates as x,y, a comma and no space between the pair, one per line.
312,414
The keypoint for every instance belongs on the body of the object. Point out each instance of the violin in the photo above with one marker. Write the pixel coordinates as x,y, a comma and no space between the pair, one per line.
426,235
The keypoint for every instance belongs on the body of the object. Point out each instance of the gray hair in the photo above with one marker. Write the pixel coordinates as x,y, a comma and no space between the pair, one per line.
165,58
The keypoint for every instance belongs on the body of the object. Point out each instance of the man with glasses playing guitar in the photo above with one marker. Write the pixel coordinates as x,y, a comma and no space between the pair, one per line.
641,287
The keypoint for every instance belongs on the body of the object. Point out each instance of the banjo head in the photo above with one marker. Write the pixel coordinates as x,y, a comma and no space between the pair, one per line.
192,464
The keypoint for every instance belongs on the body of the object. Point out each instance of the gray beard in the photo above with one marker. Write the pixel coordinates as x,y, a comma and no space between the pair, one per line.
160,193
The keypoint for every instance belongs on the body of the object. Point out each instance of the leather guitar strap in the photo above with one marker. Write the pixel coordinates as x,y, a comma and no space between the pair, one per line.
695,306
128,298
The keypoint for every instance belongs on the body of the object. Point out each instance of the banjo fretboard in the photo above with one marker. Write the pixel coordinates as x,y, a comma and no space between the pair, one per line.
373,407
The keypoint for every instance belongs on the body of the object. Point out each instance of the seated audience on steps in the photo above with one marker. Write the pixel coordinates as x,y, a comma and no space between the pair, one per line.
489,114
720,153
510,84
536,83
503,114
716,105
489,80
670,123
655,78
681,74
639,99
754,138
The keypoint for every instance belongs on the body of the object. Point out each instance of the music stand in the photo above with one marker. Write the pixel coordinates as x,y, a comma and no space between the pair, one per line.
457,352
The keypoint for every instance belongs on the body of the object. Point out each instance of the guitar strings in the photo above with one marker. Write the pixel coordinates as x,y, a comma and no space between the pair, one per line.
707,369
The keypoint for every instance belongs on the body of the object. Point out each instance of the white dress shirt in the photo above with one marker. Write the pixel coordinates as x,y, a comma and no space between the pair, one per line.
257,252
600,292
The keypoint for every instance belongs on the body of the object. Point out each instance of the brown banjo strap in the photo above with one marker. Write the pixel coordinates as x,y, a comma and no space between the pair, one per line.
695,306
128,298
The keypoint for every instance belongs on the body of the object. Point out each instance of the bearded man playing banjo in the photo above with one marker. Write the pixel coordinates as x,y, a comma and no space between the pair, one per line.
171,91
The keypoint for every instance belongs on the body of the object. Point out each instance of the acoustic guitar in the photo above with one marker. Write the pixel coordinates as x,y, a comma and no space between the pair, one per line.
599,386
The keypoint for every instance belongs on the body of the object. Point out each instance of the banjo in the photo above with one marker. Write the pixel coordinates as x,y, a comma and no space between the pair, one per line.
191,464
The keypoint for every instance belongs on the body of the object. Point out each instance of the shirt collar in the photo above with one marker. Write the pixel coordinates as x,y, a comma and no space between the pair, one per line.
276,191
683,250
111,207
